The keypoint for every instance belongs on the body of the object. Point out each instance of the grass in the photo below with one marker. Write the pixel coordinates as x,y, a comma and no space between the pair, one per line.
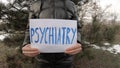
89,58
10,57
100,59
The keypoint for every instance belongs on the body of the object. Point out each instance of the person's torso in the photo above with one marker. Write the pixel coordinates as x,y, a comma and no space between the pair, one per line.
57,9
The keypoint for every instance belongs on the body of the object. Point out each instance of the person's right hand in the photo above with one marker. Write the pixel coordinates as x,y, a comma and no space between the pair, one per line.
30,52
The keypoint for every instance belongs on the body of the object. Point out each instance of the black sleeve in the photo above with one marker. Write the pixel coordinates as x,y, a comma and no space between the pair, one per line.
34,8
27,38
75,17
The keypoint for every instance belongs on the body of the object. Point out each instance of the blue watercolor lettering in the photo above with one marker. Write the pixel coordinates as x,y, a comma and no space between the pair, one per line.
63,36
32,32
37,38
51,35
46,35
67,36
59,37
74,32
42,34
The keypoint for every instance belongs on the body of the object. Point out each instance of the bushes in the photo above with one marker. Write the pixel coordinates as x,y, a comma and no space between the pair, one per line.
10,57
117,38
99,33
14,40
101,59
6,52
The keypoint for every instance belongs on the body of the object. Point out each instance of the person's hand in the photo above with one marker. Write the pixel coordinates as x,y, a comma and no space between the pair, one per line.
30,52
74,49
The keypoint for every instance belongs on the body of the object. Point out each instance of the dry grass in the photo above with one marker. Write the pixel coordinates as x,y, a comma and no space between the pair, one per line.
4,53
10,57
100,59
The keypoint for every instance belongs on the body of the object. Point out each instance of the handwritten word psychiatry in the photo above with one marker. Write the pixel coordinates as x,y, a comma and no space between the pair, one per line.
53,35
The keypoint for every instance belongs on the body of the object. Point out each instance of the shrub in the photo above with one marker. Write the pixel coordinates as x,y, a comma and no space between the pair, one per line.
10,57
99,33
14,40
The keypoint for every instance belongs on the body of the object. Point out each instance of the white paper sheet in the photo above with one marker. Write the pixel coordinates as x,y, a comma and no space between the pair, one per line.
52,35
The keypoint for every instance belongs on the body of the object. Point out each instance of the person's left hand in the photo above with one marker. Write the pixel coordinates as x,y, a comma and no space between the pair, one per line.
74,49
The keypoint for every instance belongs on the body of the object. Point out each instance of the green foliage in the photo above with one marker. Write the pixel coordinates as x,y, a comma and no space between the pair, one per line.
14,40
17,19
2,8
111,31
2,27
99,33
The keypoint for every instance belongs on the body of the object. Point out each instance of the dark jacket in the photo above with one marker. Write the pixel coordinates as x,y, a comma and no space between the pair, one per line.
53,9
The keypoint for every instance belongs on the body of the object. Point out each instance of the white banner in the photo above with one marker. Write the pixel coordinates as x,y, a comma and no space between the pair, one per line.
52,35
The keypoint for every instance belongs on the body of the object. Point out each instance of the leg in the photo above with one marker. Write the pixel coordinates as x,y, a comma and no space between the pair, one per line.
39,64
